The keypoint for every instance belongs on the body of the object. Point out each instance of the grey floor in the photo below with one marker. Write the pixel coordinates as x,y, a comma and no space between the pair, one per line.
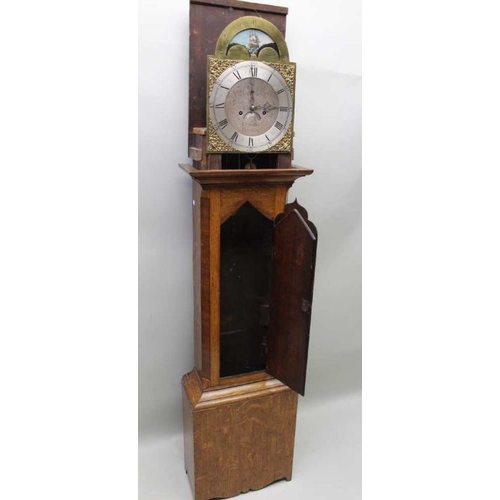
327,459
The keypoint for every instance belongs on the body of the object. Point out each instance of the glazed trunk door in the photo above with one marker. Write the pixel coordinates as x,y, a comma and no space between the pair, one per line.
293,264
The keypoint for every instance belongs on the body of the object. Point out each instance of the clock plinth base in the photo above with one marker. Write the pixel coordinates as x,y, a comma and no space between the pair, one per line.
239,438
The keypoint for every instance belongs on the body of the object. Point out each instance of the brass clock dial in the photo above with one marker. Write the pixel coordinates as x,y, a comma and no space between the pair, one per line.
250,106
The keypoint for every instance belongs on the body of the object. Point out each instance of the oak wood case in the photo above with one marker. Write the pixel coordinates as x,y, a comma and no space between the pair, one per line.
239,430
239,438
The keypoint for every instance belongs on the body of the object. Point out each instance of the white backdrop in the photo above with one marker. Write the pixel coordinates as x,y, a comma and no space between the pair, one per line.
324,39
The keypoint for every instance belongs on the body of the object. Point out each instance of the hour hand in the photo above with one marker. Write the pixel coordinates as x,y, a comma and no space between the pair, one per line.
266,107
252,93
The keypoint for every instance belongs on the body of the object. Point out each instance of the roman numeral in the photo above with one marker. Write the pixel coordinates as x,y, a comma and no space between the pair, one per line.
280,91
270,76
234,137
279,125
220,105
253,70
223,123
237,75
268,140
283,108
222,87
250,142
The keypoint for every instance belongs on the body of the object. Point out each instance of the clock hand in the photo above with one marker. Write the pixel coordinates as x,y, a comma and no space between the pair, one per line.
252,94
266,107
253,107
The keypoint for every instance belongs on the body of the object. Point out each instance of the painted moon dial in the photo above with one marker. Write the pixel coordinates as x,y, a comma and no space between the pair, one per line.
250,106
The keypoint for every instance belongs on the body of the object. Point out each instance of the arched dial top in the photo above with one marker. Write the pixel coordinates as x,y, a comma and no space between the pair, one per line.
250,106
252,37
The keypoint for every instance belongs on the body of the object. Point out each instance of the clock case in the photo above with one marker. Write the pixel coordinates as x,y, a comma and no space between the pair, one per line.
253,265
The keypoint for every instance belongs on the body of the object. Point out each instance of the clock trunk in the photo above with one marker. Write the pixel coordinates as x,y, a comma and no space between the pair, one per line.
254,259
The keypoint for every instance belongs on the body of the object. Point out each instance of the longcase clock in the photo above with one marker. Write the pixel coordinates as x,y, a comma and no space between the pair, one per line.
254,254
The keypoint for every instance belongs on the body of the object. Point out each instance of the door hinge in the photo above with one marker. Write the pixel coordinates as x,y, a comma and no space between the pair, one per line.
306,306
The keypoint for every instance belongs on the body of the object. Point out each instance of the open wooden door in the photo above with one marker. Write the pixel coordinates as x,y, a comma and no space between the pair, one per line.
293,265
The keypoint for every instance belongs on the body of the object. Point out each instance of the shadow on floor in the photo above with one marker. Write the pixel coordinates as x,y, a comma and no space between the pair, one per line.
335,376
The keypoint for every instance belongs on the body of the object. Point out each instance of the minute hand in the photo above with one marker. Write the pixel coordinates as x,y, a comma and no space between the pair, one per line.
270,107
266,107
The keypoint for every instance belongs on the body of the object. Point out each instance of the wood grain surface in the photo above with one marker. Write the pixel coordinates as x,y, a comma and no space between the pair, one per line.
293,266
239,438
212,206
